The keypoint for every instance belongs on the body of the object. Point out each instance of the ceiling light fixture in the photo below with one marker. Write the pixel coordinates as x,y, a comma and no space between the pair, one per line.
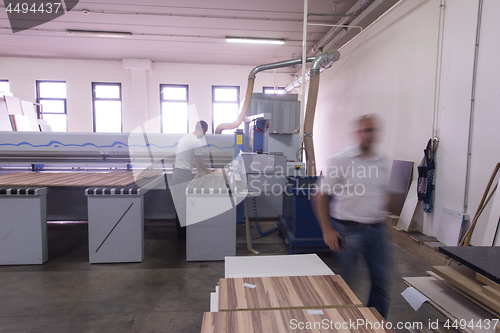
253,40
119,34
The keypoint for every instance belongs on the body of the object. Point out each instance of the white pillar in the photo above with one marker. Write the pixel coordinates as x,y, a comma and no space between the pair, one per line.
138,91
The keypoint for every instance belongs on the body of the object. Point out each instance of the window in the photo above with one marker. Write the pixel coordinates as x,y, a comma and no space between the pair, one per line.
4,87
273,90
174,108
51,95
107,107
225,105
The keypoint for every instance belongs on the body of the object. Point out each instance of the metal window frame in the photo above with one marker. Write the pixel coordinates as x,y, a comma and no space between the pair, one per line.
214,87
272,88
39,109
168,85
94,99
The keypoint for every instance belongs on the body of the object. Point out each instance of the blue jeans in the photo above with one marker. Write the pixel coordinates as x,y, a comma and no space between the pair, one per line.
371,243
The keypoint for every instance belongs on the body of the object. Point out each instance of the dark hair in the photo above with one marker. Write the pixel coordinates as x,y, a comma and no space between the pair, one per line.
201,125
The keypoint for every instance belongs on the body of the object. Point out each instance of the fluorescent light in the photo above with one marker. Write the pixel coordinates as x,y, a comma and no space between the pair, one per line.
253,40
99,33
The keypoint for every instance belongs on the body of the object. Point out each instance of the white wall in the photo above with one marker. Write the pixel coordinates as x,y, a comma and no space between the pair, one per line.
78,74
390,69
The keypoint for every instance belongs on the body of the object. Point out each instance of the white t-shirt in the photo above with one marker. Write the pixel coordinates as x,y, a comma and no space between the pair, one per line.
358,185
189,146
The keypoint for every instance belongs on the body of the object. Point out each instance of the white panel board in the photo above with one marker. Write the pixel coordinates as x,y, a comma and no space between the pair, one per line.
450,227
285,265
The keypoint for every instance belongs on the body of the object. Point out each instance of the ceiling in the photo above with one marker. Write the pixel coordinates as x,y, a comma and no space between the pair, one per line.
188,31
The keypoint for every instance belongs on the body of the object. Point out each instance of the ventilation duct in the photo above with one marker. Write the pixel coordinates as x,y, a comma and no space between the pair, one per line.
248,95
323,60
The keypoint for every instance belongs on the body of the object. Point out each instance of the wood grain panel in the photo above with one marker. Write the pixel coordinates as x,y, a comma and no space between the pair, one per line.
487,281
284,321
495,294
286,292
76,179
464,278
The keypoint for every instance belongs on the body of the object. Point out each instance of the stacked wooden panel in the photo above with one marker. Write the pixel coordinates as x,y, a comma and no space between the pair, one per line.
285,292
300,320
479,288
290,303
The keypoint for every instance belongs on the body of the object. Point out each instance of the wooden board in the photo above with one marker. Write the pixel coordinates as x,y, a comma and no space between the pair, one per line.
13,105
284,321
498,329
409,208
76,179
423,238
286,292
464,294
23,123
28,109
450,303
399,182
487,281
434,245
5,123
464,278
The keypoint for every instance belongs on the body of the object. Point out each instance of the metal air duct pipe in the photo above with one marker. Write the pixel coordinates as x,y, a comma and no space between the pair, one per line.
248,96
321,61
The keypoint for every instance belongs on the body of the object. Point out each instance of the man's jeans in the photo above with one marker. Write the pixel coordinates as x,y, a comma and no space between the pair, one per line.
371,243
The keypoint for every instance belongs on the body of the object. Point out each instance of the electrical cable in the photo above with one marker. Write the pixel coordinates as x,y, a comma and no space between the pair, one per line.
261,233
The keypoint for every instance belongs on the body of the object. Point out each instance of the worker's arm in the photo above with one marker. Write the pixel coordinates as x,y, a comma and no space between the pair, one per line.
321,207
200,165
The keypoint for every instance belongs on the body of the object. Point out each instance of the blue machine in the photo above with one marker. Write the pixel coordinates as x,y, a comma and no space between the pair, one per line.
298,224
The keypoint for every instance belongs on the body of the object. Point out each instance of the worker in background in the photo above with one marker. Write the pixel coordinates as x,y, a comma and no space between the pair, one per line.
187,155
349,206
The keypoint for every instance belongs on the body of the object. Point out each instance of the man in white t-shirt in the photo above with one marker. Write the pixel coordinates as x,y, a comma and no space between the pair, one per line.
349,206
187,155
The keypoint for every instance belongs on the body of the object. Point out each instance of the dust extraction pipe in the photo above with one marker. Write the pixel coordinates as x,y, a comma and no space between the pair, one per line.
248,96
322,60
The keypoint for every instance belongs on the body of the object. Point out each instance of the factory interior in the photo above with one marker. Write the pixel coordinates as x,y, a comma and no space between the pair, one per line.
162,164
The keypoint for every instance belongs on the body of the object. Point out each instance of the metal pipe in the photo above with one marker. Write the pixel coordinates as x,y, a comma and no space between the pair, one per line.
278,64
248,95
472,106
303,94
336,25
322,66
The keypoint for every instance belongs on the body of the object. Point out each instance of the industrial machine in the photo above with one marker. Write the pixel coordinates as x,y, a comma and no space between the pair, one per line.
298,223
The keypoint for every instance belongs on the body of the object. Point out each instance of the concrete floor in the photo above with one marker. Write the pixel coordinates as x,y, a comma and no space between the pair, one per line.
164,293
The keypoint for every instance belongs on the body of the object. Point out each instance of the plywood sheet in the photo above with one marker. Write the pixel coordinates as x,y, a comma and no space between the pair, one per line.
409,207
464,278
399,182
487,281
451,303
285,265
5,123
23,123
76,179
285,292
28,109
450,227
13,105
284,321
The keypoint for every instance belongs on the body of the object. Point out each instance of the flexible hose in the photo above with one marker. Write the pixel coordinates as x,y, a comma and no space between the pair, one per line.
243,112
312,97
262,233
